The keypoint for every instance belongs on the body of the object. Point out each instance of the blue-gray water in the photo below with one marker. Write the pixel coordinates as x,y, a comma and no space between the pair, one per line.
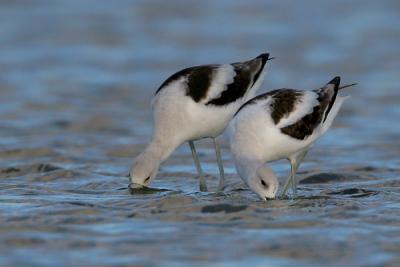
76,79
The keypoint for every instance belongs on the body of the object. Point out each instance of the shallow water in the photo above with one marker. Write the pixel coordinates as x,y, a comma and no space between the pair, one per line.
76,80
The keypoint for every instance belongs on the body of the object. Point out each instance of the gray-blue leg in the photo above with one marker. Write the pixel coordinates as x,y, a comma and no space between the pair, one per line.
203,184
293,170
287,183
221,183
294,164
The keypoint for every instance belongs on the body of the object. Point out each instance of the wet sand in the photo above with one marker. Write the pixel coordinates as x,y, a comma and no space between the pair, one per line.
75,87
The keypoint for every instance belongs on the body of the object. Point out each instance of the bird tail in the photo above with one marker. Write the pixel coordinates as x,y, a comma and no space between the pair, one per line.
335,82
257,66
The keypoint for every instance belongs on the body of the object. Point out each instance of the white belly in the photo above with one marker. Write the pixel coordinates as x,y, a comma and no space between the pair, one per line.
256,136
178,117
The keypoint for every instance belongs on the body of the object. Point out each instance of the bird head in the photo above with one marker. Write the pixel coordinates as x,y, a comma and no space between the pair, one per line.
143,170
263,182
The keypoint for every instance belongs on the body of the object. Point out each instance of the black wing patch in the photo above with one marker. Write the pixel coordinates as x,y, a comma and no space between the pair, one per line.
198,81
306,125
234,90
283,103
247,74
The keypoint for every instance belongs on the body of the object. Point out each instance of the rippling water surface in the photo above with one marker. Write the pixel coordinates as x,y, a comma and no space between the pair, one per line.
76,79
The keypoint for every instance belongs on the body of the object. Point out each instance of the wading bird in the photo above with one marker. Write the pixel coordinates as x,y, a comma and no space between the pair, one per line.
280,124
192,104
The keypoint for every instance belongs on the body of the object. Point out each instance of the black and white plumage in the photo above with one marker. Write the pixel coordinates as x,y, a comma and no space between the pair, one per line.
280,124
192,104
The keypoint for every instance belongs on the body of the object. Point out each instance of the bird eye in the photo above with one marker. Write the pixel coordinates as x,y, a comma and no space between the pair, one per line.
264,184
147,179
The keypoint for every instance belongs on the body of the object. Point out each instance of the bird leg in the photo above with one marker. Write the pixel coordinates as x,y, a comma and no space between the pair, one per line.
297,163
288,182
294,164
221,183
203,184
293,170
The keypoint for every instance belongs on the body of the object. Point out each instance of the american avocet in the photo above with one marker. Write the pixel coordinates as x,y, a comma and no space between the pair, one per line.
192,104
281,124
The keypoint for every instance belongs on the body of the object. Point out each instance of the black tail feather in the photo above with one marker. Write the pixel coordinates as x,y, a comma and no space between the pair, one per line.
264,57
336,82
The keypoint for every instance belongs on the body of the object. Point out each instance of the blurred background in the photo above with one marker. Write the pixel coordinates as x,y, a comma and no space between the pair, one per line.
68,52
76,81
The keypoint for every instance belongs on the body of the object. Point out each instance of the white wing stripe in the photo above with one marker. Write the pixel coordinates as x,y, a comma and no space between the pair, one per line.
222,76
305,106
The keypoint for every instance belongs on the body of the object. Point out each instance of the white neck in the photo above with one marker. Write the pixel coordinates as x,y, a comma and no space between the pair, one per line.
247,168
158,150
147,163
